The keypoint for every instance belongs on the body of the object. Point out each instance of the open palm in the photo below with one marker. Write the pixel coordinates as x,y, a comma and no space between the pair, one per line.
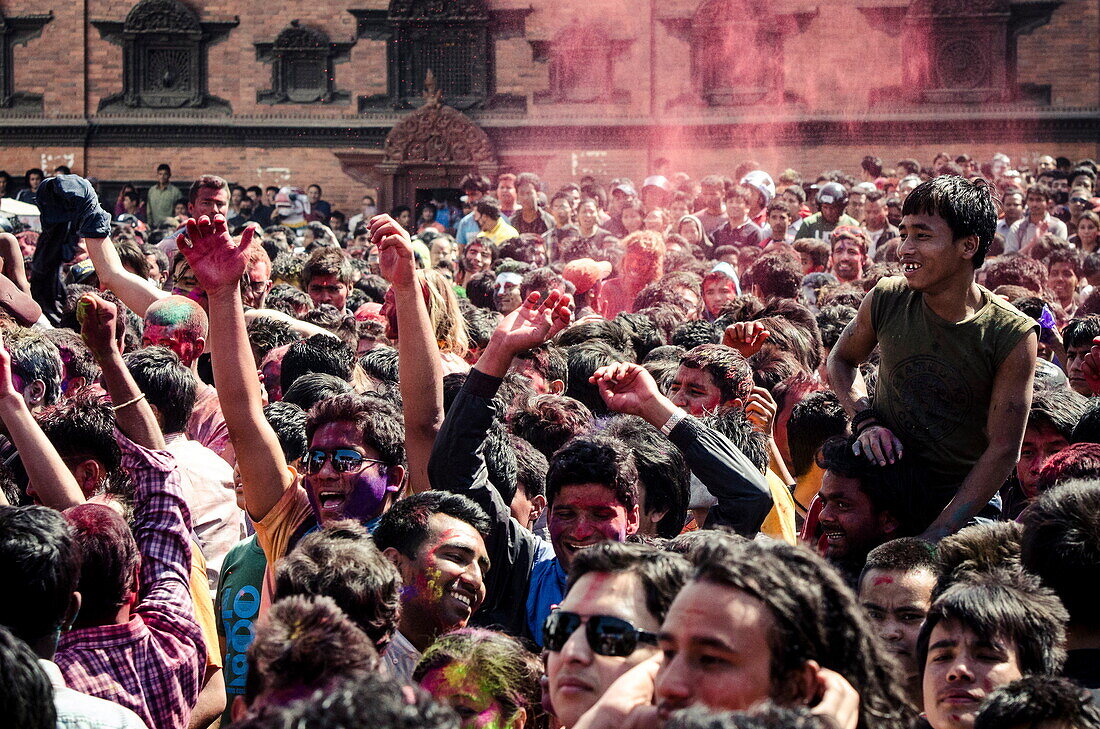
535,321
216,259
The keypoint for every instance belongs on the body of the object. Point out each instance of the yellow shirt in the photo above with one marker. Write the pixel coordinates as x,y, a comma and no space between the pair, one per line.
501,232
779,524
204,606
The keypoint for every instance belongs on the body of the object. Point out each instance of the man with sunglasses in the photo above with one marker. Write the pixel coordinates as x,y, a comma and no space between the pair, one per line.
616,598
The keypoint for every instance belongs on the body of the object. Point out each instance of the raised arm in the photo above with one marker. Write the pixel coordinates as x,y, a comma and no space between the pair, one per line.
49,477
218,263
101,333
134,291
1005,423
742,491
419,366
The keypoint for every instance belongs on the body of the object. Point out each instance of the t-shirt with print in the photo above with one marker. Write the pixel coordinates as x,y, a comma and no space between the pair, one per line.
238,605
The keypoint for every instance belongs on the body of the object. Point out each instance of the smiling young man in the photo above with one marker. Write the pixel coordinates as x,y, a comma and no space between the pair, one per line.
956,365
710,377
847,254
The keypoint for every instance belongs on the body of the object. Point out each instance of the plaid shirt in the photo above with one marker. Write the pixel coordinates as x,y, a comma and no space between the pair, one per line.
153,664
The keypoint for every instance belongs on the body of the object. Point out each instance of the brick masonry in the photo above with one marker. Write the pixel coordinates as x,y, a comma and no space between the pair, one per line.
830,67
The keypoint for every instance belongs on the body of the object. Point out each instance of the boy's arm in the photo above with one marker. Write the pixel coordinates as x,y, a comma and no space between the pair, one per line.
1005,423
420,368
136,292
218,263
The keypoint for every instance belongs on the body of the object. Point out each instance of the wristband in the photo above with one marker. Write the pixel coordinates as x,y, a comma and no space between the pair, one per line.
862,417
139,398
673,421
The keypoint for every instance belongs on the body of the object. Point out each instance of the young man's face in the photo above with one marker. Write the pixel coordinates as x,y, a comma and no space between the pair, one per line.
328,289
1013,207
1062,281
632,219
808,265
717,292
478,257
587,214
527,196
210,202
846,260
856,203
694,390
1075,360
874,214
586,514
1037,205
930,256
716,648
442,250
578,675
562,210
362,492
445,582
851,526
737,209
313,194
34,180
506,194
831,212
163,176
1040,443
779,222
896,602
961,671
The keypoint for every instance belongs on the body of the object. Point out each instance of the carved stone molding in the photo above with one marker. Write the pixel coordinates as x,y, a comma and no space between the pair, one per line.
164,45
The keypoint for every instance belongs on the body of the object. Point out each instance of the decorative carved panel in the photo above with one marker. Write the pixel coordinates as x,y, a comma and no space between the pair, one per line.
164,48
438,134
582,65
15,31
302,71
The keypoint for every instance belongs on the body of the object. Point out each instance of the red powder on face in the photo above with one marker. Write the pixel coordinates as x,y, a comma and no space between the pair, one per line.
884,580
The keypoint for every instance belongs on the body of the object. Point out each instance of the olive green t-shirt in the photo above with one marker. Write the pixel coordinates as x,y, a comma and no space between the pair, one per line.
935,377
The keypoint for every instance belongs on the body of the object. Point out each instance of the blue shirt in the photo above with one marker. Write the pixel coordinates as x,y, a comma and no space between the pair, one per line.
547,589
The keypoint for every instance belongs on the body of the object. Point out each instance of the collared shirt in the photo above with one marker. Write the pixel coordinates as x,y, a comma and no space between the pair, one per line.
1024,231
401,657
154,663
501,232
208,489
207,425
79,711
162,203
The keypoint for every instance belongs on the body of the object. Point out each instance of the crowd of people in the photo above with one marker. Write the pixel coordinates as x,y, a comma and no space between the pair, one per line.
732,452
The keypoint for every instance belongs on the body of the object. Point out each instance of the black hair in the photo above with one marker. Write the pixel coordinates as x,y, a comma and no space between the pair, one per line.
289,423
764,715
480,288
814,419
34,357
380,363
500,461
815,616
967,208
544,280
549,360
1035,701
776,276
1016,271
895,488
831,321
1080,332
691,334
82,426
405,527
661,573
488,206
584,360
982,548
110,560
287,299
905,554
1009,605
872,166
313,387
643,332
608,331
1059,408
167,385
379,421
26,692
736,427
43,564
265,333
1061,544
662,471
548,422
531,467
342,562
725,365
319,353
597,459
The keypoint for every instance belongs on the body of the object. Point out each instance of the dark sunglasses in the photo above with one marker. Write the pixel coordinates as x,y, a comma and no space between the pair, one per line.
606,635
344,460
1079,200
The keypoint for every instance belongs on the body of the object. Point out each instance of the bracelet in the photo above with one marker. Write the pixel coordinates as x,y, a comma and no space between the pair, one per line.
862,417
673,421
139,398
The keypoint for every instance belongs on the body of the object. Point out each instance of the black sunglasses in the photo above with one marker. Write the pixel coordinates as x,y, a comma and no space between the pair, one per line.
607,636
344,460
1079,200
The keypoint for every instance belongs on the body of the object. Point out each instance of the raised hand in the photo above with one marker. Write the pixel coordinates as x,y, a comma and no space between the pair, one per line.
626,387
98,324
216,259
760,409
396,261
1090,368
747,337
7,387
878,445
534,322
838,700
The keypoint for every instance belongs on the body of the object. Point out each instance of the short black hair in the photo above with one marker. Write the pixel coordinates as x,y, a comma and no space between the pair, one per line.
1080,331
42,562
342,562
83,426
1061,544
832,320
643,332
981,548
661,470
691,334
764,715
584,360
1009,605
380,363
319,353
905,554
531,467
26,692
548,422
1035,701
289,423
379,421
313,387
776,276
265,333
548,360
1059,408
814,419
597,459
167,385
725,365
661,573
967,207
405,527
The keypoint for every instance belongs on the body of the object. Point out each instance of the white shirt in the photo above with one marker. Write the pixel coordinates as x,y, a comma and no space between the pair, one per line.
80,711
216,519
1023,232
401,657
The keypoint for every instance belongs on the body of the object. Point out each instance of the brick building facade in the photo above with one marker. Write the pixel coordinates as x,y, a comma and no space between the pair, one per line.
280,92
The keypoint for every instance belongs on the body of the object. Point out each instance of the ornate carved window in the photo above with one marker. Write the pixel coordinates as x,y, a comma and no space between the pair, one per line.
735,46
302,71
15,31
449,38
163,57
582,65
